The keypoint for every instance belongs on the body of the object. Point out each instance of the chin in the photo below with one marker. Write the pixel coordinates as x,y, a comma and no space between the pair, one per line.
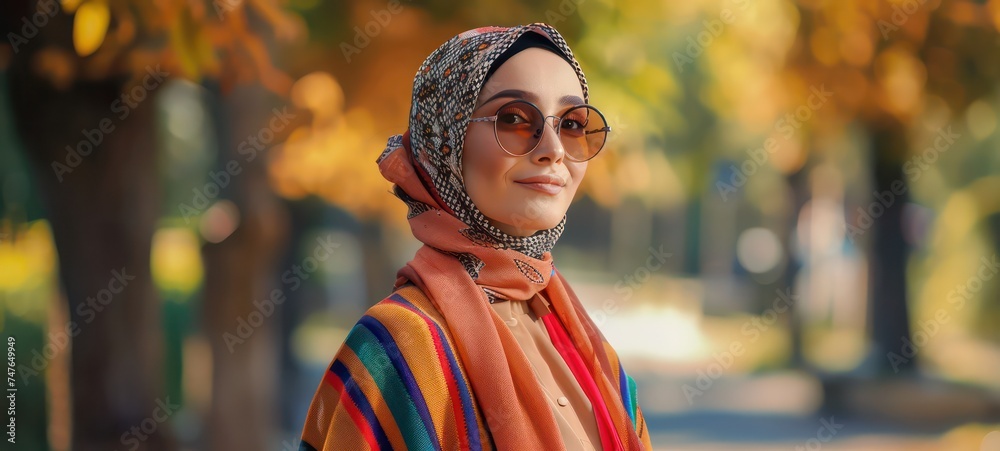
520,225
551,223
541,225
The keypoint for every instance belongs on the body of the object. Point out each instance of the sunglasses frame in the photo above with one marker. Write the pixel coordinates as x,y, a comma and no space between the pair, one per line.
545,119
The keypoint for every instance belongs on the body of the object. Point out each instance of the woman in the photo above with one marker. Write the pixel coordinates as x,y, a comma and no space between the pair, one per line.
482,343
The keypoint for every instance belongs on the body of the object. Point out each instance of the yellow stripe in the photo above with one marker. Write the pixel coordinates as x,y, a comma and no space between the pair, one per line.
613,361
643,429
319,421
343,433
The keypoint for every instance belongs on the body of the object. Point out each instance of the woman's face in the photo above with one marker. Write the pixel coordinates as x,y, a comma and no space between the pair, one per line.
492,176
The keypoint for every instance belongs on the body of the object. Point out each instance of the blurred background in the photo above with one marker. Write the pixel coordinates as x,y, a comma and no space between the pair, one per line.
792,238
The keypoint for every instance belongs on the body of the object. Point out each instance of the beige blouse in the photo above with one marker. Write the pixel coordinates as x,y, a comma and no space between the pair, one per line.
573,411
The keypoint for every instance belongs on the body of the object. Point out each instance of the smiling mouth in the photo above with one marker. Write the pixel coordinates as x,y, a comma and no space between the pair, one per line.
547,188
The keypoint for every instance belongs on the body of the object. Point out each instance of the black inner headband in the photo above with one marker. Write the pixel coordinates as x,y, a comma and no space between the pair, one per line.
526,41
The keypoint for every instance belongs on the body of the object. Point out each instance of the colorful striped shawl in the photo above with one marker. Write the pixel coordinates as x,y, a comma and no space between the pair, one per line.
397,383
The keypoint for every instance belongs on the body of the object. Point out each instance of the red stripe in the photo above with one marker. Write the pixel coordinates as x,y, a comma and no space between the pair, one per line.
352,410
456,406
610,439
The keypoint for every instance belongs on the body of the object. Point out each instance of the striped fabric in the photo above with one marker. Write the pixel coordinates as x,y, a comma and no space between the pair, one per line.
397,383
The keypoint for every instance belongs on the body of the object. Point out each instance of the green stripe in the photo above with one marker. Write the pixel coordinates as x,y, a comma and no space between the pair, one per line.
393,391
631,395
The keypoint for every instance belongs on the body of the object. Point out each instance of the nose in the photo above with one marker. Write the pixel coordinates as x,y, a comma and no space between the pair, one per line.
550,148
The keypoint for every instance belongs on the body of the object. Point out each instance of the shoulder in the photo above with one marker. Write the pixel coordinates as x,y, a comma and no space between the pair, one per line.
409,317
404,379
407,303
411,336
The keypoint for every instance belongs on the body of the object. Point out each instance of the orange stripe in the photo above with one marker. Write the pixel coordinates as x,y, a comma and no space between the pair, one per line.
352,410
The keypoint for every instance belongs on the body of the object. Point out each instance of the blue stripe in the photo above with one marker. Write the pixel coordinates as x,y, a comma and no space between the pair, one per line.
394,392
403,369
471,425
626,395
361,402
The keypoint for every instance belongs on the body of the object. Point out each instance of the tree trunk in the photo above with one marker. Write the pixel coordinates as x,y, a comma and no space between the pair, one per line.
888,252
103,213
798,182
238,288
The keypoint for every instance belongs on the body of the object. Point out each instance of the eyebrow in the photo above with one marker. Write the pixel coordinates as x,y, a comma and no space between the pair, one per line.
568,100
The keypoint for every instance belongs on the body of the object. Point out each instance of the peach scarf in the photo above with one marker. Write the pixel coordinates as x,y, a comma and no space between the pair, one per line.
461,270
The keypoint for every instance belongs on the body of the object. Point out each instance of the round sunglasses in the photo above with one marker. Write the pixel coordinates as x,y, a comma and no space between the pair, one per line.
518,126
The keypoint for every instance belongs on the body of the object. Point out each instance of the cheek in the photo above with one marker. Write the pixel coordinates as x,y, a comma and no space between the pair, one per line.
482,166
577,171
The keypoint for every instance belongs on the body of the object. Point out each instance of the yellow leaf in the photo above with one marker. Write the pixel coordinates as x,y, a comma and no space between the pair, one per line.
184,37
89,26
70,5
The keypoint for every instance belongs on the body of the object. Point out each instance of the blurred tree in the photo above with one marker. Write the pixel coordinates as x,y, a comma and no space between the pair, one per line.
889,63
239,277
747,68
83,76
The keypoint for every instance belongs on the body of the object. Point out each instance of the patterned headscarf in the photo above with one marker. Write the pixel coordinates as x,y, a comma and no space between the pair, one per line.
445,90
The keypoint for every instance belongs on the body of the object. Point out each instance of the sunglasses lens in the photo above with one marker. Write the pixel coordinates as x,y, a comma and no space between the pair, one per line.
519,127
583,132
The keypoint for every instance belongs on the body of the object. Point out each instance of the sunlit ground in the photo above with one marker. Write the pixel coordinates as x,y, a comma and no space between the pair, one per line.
717,383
